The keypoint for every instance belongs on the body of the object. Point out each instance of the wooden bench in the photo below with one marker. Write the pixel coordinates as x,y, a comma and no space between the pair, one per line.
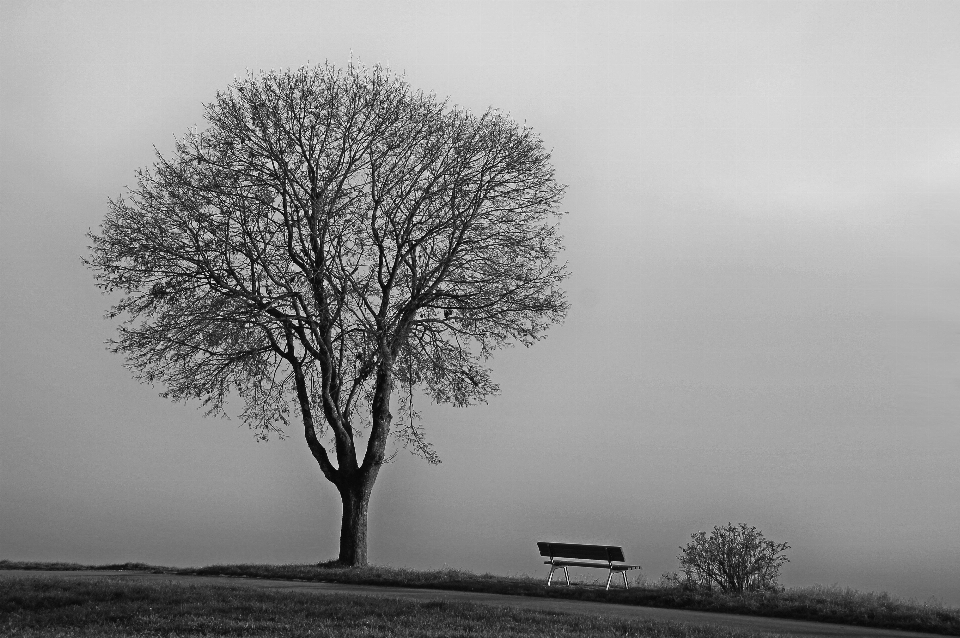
573,555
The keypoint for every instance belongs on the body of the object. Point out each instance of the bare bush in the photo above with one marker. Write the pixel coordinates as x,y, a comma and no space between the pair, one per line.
735,558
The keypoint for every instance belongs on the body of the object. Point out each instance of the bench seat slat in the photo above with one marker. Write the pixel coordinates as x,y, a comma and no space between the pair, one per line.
582,563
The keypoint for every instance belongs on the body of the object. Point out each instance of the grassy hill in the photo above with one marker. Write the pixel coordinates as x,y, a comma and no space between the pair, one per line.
813,603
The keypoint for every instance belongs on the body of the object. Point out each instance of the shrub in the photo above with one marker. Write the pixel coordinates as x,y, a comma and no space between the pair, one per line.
735,558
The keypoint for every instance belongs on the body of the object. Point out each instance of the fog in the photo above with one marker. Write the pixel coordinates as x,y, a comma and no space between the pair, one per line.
764,241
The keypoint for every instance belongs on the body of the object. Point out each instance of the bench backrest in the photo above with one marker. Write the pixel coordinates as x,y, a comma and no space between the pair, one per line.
609,553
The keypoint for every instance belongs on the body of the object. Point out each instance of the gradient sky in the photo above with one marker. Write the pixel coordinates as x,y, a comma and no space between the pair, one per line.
764,236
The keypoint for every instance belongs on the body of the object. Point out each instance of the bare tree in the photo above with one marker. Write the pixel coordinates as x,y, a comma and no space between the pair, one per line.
331,240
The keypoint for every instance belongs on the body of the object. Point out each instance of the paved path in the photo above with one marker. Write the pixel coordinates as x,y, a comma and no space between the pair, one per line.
749,623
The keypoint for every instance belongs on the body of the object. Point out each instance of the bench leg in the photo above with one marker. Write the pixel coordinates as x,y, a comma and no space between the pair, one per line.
609,578
566,575
550,577
625,585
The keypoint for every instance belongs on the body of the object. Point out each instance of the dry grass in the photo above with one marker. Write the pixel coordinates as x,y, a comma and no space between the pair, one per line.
824,604
50,606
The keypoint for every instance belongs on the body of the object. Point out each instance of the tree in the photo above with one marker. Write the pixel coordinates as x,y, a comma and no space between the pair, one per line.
333,240
734,558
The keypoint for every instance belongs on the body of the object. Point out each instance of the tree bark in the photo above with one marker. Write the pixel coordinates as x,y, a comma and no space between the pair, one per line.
356,483
355,496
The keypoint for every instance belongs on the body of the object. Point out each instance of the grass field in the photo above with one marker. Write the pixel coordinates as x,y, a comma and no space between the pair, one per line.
824,604
49,606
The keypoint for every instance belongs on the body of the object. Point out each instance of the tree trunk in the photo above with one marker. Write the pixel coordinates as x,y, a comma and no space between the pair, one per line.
355,496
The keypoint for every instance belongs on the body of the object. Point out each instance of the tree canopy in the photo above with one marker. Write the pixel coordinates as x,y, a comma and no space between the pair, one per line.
331,237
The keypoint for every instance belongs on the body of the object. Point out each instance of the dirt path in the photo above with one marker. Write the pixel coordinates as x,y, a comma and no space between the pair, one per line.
750,623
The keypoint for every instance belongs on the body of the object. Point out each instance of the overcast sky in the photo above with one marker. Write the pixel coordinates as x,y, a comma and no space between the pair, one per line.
764,236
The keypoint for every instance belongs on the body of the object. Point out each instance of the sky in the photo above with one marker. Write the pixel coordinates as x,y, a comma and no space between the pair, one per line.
763,231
